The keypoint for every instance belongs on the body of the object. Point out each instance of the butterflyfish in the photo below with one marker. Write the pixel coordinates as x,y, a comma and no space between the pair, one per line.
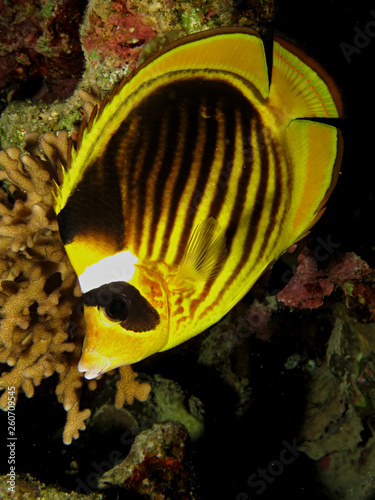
191,179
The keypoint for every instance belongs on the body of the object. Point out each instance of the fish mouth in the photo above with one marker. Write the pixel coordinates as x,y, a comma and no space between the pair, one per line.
91,366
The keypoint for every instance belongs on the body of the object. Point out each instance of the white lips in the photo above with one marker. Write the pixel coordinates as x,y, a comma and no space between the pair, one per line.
92,371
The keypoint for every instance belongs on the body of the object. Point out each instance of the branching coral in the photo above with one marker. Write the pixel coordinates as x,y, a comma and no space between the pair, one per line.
41,328
128,388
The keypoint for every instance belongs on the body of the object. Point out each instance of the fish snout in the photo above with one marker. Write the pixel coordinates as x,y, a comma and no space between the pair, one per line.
92,365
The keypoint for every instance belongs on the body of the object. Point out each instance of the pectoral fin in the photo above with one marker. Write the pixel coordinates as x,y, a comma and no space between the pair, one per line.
204,255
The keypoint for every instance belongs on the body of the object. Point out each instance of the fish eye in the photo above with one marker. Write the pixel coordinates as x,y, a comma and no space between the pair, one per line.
116,311
119,303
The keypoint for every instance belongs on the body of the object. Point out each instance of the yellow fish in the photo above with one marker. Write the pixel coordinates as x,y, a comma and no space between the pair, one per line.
191,179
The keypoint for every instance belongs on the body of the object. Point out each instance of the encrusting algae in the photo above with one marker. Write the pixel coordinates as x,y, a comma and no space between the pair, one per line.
41,325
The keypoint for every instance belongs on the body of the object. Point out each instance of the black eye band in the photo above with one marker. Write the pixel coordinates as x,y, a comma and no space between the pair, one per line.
122,303
117,309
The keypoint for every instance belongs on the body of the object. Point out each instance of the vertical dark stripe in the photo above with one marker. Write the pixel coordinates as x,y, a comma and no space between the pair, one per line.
136,184
260,196
276,202
284,186
95,206
126,158
228,165
171,119
248,122
211,126
176,128
151,128
257,209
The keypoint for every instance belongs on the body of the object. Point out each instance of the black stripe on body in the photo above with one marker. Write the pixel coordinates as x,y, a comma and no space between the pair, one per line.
282,201
95,207
140,135
182,163
217,100
255,210
126,157
247,127
206,129
228,157
241,206
276,204
197,101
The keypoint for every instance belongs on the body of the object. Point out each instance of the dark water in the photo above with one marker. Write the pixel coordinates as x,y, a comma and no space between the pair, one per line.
329,32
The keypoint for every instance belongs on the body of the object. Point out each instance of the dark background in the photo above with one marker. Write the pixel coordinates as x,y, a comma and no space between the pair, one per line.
321,27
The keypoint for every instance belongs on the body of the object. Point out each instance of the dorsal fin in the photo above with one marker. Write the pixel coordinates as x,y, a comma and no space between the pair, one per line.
300,87
233,49
104,103
81,130
92,118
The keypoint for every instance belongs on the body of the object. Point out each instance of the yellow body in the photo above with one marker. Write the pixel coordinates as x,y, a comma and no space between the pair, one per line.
196,176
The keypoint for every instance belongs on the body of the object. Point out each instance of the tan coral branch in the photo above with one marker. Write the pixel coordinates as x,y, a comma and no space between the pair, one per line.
129,388
39,291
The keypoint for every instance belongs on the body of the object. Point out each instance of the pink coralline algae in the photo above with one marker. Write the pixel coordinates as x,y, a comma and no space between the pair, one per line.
115,33
310,285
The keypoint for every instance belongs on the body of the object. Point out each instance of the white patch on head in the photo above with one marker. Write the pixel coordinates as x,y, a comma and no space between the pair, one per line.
118,267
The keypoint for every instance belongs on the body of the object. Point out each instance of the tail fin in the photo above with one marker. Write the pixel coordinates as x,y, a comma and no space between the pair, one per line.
302,89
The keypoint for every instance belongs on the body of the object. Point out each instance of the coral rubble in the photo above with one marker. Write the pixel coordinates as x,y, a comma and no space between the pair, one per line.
169,402
157,466
29,488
